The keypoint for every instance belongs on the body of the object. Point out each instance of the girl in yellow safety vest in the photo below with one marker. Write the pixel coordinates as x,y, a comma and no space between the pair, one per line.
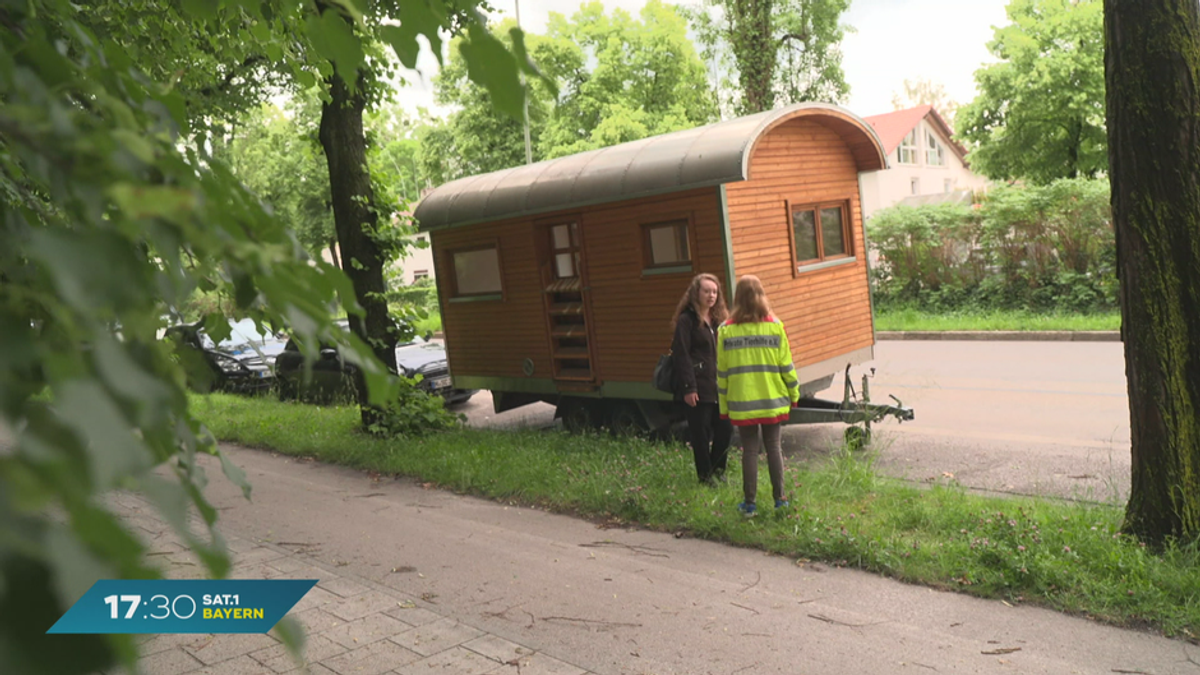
756,385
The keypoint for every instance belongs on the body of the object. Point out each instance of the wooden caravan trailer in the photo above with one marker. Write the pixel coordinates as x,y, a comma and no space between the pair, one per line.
557,280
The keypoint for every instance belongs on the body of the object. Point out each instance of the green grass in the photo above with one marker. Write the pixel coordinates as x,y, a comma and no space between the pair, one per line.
907,319
1066,556
432,323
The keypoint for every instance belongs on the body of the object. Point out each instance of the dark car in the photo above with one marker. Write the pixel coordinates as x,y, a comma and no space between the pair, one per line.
241,363
333,378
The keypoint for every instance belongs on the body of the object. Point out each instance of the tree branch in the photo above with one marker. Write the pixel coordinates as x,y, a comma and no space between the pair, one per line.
246,64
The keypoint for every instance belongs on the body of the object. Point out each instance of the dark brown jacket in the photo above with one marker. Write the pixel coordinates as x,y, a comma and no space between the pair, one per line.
694,350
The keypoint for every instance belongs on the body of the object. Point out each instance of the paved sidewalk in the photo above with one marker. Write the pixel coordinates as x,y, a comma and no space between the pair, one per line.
353,625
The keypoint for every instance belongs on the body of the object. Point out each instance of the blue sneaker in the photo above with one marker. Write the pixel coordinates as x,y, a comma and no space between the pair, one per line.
747,509
781,504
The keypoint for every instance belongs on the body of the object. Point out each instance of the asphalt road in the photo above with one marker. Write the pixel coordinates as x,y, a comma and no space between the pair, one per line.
1016,417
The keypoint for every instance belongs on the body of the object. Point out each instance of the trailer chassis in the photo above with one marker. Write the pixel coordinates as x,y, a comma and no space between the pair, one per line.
859,413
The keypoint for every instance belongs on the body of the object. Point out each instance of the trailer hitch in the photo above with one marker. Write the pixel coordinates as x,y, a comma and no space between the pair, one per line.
850,410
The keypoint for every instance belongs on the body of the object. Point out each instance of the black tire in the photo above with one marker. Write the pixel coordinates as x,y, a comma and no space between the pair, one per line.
625,419
286,390
857,437
580,416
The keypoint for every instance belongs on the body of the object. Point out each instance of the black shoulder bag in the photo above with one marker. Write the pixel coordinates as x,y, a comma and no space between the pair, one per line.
664,374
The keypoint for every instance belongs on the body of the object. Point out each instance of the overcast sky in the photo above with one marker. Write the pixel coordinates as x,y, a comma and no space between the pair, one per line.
942,40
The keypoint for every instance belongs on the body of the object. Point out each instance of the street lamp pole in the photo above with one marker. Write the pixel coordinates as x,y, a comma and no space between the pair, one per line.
524,98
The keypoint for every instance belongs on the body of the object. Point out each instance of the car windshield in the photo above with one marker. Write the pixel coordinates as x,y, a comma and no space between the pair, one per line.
241,333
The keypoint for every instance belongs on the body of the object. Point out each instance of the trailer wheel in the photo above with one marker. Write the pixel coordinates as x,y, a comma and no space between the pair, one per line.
626,420
286,389
579,416
857,437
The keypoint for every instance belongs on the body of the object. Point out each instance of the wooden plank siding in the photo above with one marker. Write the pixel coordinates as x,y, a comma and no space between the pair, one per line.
494,337
827,312
630,312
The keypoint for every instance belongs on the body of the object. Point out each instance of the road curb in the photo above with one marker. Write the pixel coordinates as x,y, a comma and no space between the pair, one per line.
1007,335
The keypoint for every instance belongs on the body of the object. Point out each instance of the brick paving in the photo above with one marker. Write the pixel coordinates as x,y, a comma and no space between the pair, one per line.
353,626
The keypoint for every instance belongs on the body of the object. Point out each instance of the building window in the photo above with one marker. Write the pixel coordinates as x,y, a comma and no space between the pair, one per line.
565,249
915,184
947,185
666,244
821,232
935,154
907,153
420,274
476,271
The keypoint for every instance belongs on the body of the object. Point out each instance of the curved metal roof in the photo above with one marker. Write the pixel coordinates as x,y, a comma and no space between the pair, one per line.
709,155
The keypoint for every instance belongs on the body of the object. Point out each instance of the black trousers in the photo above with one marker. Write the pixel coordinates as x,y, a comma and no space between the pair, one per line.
709,436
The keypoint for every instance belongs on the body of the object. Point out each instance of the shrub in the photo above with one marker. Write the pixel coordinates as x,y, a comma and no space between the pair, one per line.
1033,248
414,413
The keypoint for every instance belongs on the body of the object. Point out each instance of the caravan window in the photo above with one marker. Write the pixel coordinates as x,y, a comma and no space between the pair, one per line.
820,232
666,245
476,271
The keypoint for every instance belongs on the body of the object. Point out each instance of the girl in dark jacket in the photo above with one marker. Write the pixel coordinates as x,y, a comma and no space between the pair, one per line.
694,350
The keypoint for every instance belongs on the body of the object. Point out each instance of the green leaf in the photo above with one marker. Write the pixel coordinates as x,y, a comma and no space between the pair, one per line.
291,634
403,42
78,567
233,472
493,66
203,9
126,377
417,17
335,40
154,201
54,69
112,448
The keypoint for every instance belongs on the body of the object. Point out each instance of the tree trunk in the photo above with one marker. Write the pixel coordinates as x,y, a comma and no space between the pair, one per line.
1074,147
1152,70
333,252
354,215
752,40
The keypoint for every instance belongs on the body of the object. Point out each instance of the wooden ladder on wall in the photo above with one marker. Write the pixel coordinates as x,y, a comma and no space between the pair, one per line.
569,341
566,307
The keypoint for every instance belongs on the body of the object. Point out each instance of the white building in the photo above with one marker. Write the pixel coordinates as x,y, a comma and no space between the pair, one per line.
926,164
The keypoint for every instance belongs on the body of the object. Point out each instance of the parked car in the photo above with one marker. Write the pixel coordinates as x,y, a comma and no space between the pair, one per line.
334,378
240,363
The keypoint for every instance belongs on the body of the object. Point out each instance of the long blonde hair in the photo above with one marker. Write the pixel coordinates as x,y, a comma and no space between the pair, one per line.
691,298
750,301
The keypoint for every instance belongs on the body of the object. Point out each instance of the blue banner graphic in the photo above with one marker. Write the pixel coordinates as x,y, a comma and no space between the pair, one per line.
183,606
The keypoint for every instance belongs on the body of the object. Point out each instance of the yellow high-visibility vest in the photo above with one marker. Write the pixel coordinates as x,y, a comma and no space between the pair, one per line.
756,379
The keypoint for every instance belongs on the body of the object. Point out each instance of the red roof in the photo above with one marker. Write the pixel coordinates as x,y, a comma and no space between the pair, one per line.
894,126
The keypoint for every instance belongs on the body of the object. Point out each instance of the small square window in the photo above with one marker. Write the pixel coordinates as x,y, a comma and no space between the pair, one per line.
420,274
804,227
564,244
833,234
666,244
820,232
476,271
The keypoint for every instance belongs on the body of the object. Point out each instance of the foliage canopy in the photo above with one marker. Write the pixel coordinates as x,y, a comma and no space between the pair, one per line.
112,212
620,79
1039,115
770,53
